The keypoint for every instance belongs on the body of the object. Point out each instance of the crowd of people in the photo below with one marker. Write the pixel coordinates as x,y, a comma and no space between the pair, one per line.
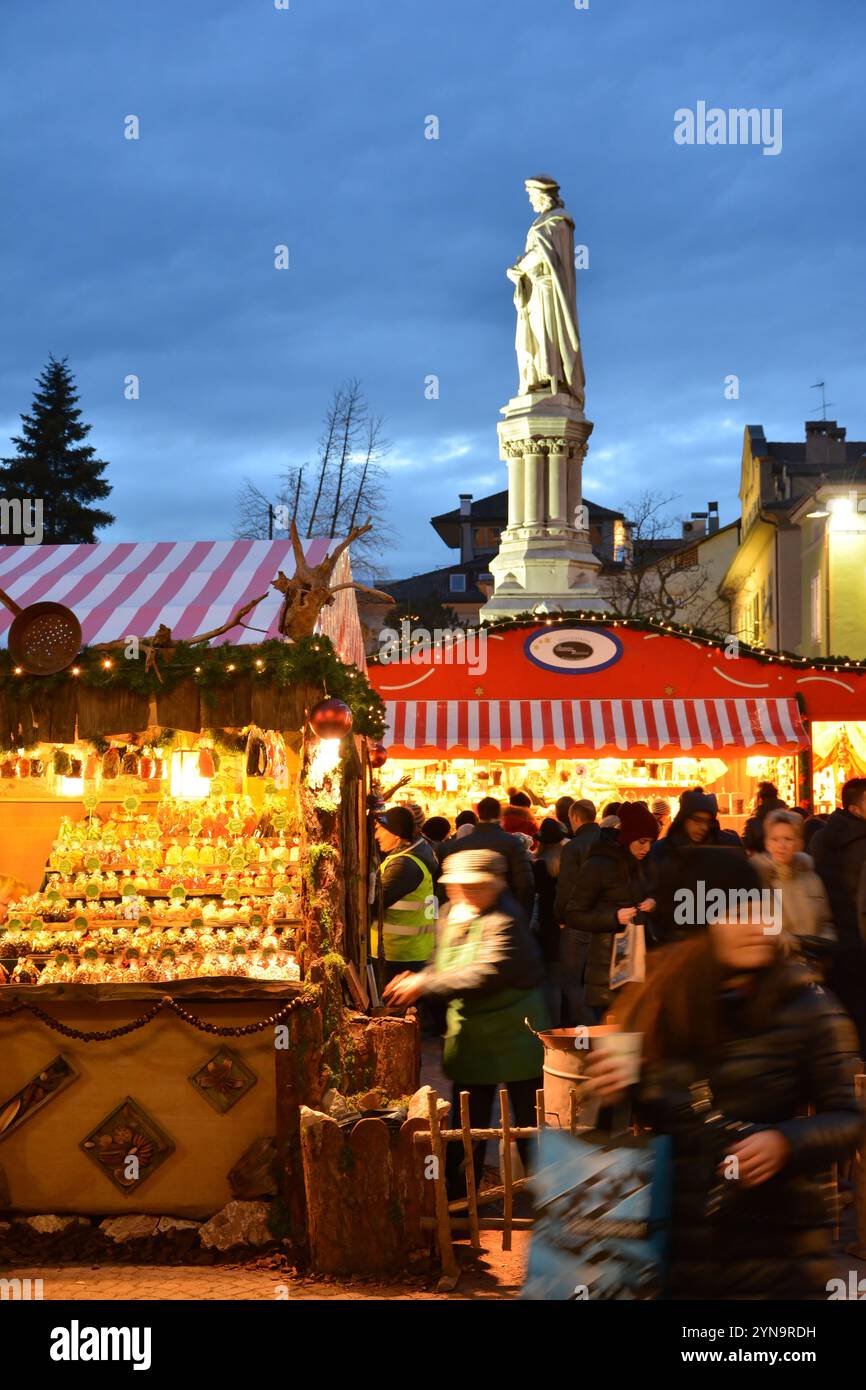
516,921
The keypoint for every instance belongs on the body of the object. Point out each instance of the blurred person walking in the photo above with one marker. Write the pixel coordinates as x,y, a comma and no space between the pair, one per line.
490,969
749,1065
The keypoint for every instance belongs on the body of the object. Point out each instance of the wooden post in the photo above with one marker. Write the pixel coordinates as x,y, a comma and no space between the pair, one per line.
450,1272
471,1202
506,1169
572,1111
298,1082
540,1115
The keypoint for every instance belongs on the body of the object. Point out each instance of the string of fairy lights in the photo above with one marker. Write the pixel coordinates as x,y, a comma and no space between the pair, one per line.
643,624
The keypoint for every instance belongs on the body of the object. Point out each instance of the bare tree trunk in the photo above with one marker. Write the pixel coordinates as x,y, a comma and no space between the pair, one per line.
332,419
297,496
374,426
353,404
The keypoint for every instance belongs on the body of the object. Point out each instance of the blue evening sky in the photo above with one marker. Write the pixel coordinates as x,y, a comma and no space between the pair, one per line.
306,127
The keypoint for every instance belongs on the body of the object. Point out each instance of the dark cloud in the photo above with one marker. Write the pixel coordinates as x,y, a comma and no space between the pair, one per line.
260,127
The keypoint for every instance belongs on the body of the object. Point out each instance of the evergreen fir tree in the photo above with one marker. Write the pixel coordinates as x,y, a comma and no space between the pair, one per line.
53,463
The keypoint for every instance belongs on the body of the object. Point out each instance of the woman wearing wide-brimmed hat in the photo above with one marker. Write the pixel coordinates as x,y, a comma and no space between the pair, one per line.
490,969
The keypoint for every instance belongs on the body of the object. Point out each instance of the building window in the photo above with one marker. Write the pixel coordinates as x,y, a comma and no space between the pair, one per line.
457,583
621,543
768,601
815,606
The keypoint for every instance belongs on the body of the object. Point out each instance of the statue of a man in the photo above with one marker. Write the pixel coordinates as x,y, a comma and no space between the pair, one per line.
548,337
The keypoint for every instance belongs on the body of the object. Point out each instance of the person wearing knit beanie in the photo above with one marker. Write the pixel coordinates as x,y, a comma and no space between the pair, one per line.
636,823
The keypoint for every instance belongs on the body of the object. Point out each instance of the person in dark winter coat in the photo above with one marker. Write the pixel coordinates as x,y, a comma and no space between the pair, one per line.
574,945
584,834
839,852
696,823
489,833
614,888
436,831
545,870
766,800
750,1067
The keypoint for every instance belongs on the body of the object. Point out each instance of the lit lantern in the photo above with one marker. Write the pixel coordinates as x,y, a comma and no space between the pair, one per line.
186,779
331,719
378,755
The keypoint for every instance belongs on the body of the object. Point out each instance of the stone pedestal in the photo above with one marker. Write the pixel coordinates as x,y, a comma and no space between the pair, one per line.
545,561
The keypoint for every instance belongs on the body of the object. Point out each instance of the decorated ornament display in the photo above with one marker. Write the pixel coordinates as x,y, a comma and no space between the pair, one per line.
378,755
331,718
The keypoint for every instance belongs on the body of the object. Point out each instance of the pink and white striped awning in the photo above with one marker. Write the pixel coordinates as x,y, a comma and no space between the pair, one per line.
119,589
553,728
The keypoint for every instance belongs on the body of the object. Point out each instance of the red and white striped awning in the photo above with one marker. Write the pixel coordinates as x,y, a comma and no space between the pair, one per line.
551,728
119,589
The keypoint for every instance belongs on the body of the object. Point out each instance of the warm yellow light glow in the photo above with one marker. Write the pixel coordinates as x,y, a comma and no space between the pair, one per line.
72,786
76,670
326,757
107,664
186,780
19,670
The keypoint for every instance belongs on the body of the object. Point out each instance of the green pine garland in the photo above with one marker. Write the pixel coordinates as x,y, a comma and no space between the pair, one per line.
309,661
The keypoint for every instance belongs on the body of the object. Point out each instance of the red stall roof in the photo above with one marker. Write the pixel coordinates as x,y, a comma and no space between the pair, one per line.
580,688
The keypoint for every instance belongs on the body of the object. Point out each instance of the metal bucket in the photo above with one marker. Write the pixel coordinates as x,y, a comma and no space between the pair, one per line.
566,1103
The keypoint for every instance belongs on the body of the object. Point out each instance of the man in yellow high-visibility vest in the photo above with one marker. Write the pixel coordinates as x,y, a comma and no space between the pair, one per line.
408,874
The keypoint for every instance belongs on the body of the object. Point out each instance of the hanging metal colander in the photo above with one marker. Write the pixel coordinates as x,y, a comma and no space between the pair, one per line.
44,637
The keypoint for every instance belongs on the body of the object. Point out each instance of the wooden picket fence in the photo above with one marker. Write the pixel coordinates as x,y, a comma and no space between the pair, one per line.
463,1214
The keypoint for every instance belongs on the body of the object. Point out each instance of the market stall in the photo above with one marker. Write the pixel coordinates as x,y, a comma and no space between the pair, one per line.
607,709
174,814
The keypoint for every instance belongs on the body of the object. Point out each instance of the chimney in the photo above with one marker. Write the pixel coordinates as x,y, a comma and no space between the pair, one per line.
825,442
467,547
713,518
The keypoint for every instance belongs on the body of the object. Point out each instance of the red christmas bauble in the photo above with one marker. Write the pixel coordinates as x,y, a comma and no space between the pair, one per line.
378,755
331,719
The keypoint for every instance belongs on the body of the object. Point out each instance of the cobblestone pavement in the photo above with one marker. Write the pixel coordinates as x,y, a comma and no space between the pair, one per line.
496,1274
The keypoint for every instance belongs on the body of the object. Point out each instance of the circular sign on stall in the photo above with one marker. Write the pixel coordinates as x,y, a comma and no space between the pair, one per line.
92,890
131,803
573,651
231,895
281,820
64,864
91,801
216,786
91,863
178,893
127,889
